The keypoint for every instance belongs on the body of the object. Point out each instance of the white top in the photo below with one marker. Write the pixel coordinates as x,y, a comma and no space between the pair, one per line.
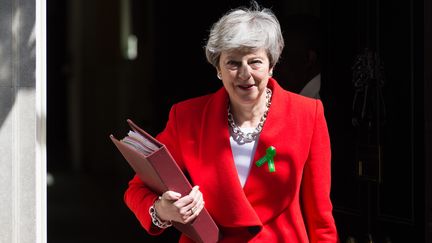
243,154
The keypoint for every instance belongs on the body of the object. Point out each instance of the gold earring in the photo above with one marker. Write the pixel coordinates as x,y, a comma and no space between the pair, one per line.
219,75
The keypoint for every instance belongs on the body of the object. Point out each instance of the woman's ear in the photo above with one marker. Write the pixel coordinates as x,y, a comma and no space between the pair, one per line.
219,74
271,71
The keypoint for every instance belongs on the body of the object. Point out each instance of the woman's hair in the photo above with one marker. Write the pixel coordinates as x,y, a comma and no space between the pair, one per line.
247,29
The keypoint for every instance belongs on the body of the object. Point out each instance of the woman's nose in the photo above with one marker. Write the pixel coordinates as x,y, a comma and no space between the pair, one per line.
244,72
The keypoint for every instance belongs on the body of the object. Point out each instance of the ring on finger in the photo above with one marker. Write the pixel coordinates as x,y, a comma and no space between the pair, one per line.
193,209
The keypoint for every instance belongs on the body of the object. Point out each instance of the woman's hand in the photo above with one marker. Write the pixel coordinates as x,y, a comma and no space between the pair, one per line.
173,207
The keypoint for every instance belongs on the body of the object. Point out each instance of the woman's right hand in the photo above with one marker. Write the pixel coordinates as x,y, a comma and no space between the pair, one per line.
173,207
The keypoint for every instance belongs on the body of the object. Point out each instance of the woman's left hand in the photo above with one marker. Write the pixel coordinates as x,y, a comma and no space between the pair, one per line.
180,209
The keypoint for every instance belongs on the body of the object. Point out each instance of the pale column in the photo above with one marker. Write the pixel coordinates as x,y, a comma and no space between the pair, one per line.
22,121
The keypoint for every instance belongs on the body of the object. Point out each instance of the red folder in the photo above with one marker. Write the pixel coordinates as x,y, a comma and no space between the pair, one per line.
159,171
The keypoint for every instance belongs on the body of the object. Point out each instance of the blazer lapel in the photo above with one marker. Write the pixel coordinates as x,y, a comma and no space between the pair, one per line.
265,194
267,191
219,178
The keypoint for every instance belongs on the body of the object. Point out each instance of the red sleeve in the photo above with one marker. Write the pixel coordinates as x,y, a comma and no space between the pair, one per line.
138,197
317,207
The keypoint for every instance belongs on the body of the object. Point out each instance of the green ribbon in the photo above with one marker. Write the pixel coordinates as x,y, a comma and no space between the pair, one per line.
270,154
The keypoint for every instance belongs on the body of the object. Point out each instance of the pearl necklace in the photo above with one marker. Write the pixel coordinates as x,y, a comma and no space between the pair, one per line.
251,136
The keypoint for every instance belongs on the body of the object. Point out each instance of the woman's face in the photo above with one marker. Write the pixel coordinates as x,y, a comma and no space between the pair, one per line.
245,74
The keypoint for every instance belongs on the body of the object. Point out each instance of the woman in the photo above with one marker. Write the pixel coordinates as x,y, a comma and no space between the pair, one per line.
219,138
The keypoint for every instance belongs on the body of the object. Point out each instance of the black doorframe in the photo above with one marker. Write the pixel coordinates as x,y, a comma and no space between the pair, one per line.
428,115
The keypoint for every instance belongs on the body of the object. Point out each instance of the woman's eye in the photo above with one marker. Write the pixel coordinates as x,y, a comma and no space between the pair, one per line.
256,62
232,64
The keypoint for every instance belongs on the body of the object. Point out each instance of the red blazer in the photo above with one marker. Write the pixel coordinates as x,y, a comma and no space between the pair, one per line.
289,205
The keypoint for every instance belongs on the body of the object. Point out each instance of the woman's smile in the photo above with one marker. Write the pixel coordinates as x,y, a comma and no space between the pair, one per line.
246,87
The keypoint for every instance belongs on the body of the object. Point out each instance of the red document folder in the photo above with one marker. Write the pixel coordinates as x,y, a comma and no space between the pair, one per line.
159,171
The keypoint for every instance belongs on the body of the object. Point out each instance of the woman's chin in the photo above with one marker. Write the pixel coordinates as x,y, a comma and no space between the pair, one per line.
250,99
